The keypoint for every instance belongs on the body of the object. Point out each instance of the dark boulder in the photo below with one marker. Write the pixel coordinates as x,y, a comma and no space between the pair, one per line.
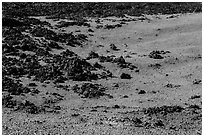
125,76
89,90
113,47
92,55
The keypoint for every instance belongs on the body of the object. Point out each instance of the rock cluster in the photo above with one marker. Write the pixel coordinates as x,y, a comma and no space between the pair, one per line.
89,90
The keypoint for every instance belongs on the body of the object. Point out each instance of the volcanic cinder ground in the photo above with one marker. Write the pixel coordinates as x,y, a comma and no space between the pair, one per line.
174,80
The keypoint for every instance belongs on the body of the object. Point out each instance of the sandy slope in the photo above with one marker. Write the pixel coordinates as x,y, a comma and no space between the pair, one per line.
180,68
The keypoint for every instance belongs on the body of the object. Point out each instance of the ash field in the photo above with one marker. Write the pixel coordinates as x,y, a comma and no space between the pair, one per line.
101,68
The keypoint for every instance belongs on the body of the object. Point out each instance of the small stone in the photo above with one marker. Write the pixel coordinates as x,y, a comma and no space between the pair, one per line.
142,92
125,76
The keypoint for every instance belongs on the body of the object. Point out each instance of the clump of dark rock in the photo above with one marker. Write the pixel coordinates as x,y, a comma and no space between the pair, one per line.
133,120
46,33
123,64
125,76
89,90
68,53
12,87
116,85
72,23
14,71
60,79
68,38
53,44
8,101
99,26
112,26
195,96
195,106
105,59
67,65
33,21
90,30
31,64
48,72
22,55
28,107
155,66
92,55
137,122
81,37
197,81
125,96
32,85
159,123
169,85
120,60
74,40
35,91
104,74
116,106
97,65
75,114
77,69
32,108
137,70
12,34
142,92
162,110
157,54
28,44
103,9
113,47
42,52
12,66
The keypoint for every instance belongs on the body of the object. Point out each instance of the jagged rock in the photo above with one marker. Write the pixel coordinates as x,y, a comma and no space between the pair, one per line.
120,60
159,123
48,72
197,81
92,55
142,92
105,59
32,85
112,26
33,21
7,101
89,90
125,76
60,79
113,47
116,106
72,23
53,44
162,110
97,65
157,54
90,30
14,88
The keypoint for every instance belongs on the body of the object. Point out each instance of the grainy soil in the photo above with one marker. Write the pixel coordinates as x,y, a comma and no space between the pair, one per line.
103,75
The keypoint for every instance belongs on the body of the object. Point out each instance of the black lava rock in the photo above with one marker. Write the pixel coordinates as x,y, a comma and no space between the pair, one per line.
125,76
142,92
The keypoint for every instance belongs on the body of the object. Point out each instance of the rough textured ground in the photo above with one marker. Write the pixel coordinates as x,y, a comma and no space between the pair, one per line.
163,95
